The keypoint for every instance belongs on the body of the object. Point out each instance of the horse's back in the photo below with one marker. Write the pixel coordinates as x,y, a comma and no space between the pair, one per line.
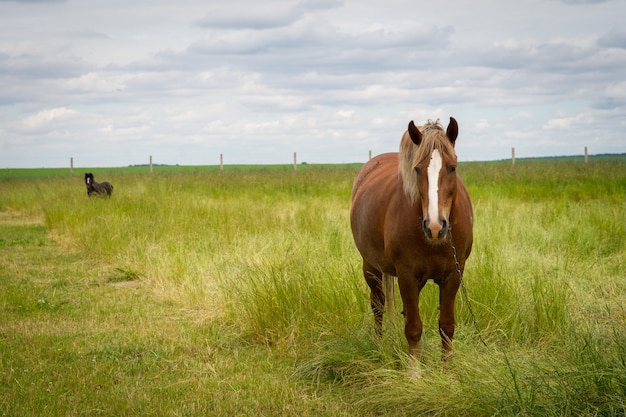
375,186
379,176
108,187
380,167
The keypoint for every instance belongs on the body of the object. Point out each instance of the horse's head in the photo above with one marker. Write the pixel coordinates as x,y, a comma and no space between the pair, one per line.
428,164
89,178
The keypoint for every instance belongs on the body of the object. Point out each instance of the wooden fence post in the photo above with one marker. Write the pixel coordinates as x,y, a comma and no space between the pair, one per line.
72,165
586,156
513,156
221,163
295,162
370,154
150,164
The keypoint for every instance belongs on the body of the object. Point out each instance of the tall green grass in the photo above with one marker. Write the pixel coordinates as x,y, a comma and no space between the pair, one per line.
254,272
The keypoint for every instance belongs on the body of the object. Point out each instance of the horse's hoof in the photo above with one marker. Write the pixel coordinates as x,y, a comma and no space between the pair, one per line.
414,369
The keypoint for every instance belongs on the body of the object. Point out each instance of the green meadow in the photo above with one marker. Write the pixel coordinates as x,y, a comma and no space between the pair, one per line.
195,292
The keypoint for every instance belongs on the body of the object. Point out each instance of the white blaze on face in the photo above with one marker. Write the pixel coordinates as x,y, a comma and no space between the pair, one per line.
433,185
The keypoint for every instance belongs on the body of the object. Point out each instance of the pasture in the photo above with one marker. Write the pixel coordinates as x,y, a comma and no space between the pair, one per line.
195,292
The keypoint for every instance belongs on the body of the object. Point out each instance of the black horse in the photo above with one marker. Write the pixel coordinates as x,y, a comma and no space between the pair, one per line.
102,188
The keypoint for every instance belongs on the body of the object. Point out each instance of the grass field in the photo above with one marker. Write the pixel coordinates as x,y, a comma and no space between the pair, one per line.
194,292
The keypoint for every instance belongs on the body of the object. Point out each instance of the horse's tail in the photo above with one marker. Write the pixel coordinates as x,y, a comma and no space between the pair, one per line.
390,294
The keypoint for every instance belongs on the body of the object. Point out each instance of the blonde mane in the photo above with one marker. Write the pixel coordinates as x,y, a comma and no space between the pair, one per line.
411,155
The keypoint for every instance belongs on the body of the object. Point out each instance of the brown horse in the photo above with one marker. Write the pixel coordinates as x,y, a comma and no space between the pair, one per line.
405,207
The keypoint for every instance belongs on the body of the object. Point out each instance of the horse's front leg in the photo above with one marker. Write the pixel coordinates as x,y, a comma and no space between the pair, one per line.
447,294
410,289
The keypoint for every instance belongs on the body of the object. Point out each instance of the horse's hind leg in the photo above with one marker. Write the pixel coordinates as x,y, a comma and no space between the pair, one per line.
373,277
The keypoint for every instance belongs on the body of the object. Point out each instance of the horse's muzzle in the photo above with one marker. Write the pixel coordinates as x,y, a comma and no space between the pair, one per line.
436,230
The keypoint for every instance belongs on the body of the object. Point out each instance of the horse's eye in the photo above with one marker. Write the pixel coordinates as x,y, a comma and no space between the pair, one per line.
417,171
451,169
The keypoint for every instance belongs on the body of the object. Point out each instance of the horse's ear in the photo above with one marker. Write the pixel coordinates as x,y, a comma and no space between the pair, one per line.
414,133
453,130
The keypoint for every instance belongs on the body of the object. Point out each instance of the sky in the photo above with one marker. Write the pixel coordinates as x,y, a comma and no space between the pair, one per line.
111,83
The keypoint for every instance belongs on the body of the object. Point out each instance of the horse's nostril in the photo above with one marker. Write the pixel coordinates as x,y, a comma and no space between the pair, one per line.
425,225
444,228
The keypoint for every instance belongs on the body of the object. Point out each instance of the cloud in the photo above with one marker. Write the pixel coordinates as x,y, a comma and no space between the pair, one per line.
569,122
613,39
257,16
314,45
85,34
45,117
32,1
331,80
562,55
576,2
40,64
260,15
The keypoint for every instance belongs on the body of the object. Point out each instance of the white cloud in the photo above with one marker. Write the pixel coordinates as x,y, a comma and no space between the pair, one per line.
569,122
45,117
560,123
